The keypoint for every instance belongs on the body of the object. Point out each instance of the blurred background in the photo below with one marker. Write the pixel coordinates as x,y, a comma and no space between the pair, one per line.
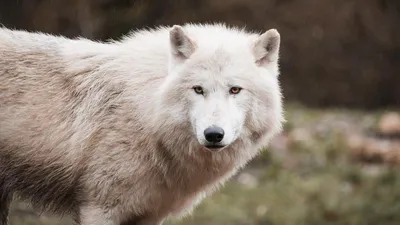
337,160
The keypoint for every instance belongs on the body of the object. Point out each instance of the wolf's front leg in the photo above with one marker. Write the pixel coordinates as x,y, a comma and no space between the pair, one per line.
5,200
92,215
144,221
149,221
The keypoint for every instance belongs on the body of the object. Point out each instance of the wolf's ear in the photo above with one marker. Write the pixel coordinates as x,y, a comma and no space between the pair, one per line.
266,47
182,46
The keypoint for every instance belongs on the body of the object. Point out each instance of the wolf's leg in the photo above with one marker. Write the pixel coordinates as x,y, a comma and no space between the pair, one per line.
141,220
149,221
5,201
91,215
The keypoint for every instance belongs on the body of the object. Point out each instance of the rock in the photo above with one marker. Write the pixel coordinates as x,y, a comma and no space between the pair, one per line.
389,123
356,144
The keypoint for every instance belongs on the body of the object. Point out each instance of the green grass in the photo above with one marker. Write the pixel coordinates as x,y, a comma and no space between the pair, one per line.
313,181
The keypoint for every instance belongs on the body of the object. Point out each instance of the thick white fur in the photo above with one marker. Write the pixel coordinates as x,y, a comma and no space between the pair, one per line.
121,119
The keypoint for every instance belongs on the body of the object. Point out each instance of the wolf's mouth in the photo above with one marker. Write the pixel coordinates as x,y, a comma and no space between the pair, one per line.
214,147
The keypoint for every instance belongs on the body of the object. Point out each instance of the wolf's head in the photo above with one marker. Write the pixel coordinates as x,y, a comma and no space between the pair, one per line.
224,82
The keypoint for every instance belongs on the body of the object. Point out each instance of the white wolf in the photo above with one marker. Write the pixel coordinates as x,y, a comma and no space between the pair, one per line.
136,130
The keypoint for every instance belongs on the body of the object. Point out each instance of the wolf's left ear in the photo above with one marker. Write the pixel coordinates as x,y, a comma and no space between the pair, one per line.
182,46
266,47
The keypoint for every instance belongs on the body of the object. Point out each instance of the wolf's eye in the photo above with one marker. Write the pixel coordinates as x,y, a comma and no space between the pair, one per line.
235,90
198,90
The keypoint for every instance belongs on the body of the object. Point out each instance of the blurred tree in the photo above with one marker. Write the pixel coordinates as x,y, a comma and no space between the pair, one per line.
342,52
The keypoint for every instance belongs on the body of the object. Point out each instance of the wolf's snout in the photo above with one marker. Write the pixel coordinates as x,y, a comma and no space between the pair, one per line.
214,134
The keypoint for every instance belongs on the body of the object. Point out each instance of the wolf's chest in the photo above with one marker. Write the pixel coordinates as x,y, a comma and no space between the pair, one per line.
185,200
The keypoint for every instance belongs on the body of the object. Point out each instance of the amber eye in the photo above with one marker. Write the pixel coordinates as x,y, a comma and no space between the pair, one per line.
198,90
235,90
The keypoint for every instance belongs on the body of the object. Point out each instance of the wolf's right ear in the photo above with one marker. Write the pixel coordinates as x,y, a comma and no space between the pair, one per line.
182,46
266,47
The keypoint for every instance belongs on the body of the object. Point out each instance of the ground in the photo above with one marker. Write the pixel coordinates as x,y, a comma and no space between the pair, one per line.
308,176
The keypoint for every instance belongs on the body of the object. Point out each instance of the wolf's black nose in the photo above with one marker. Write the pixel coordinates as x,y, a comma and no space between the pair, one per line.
214,134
